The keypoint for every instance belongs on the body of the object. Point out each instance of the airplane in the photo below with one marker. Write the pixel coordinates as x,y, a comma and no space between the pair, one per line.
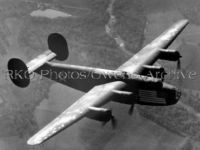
129,84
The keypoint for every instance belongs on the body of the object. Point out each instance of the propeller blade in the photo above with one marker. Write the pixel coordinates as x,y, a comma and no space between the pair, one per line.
113,122
104,123
130,112
179,70
179,64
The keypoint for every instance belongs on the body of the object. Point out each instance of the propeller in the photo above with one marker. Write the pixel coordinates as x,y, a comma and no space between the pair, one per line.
178,57
113,122
178,64
104,123
163,76
130,111
178,69
136,98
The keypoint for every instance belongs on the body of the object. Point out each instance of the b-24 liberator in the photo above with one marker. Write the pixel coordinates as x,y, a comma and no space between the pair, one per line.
129,84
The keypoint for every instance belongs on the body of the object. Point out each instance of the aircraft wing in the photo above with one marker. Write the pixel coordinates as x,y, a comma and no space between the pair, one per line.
102,94
150,53
75,112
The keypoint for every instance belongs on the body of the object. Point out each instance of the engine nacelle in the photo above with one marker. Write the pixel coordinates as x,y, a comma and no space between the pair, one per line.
167,95
168,54
99,114
154,71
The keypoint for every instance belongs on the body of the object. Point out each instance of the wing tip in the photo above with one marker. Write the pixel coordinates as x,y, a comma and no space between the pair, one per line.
32,141
186,21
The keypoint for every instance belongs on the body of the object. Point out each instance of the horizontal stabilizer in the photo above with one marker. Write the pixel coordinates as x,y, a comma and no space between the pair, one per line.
19,71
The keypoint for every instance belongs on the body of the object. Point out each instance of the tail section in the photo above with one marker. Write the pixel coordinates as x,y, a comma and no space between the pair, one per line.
19,71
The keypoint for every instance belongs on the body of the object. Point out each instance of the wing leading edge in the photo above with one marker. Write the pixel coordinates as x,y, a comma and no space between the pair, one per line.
149,54
74,113
100,95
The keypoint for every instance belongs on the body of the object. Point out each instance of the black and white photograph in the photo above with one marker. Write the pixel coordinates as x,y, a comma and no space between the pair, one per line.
99,75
